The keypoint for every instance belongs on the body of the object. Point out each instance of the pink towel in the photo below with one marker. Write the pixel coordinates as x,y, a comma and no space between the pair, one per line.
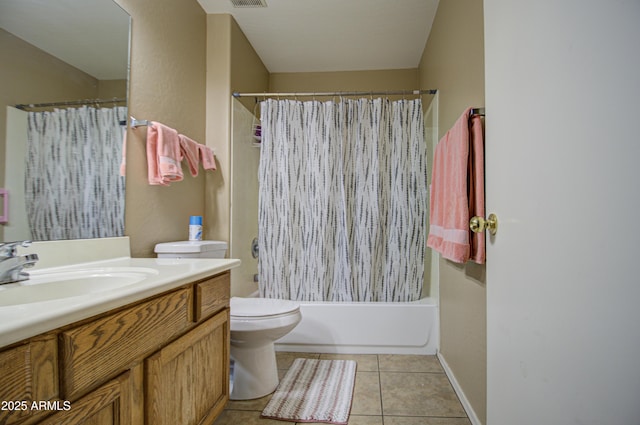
123,164
165,151
191,152
163,155
194,152
450,193
208,158
476,187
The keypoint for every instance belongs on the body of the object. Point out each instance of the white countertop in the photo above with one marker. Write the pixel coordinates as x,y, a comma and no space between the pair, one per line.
18,322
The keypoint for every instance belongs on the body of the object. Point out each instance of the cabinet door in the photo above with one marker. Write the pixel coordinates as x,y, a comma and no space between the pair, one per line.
110,404
187,382
28,374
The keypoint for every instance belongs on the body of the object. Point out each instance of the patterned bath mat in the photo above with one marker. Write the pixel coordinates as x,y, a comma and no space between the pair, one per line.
314,391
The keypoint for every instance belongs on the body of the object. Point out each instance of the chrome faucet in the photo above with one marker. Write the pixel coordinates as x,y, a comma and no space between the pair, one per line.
11,264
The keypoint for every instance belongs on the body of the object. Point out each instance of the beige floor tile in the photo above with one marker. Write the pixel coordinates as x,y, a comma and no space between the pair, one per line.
365,420
285,358
418,394
236,417
424,397
255,404
414,420
409,363
366,362
366,395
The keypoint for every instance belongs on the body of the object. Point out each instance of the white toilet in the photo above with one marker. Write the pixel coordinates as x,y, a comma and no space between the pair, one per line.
256,323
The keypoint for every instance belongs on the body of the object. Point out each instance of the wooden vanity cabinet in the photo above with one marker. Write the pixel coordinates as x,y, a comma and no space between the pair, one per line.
163,360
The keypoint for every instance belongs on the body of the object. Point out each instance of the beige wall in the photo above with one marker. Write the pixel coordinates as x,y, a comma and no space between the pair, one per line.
396,79
244,198
108,89
453,62
248,73
167,84
232,65
218,88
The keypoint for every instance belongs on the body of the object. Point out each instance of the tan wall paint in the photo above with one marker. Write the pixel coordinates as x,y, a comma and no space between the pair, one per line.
395,79
217,195
453,62
167,84
244,211
232,65
248,73
108,89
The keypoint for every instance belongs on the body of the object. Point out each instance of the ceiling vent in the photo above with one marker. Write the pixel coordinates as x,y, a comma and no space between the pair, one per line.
249,3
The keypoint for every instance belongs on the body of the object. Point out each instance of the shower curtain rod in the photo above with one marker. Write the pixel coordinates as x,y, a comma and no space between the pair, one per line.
69,103
338,93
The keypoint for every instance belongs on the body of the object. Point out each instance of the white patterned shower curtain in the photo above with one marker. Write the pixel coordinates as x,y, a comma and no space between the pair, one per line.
342,200
73,187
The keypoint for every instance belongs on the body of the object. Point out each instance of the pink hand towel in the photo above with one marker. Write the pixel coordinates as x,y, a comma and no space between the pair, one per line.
208,158
449,231
195,152
191,152
123,164
163,155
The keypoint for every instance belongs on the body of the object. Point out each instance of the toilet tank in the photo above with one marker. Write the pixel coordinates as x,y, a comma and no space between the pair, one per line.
191,249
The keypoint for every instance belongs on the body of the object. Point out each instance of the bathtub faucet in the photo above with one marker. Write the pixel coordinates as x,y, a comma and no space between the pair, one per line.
11,264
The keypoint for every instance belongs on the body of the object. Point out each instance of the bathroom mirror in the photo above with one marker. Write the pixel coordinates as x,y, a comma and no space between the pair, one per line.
56,51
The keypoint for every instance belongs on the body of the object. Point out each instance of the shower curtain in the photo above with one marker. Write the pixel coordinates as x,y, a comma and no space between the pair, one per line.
73,188
342,200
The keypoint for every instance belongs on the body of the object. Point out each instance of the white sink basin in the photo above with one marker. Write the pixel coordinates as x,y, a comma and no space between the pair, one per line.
49,286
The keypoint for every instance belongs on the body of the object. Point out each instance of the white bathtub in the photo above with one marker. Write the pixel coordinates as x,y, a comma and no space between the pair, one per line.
365,328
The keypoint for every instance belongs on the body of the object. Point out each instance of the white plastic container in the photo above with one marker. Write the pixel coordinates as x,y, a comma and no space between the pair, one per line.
191,249
195,228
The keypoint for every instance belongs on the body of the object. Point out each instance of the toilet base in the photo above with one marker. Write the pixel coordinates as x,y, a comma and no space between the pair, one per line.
255,371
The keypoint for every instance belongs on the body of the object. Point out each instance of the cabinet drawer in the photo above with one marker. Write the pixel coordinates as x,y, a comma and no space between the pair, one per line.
99,350
110,404
212,295
29,373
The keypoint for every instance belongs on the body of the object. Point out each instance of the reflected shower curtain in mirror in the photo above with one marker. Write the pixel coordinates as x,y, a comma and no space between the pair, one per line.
342,200
73,187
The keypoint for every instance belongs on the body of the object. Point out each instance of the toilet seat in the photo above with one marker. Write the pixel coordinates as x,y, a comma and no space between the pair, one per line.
261,308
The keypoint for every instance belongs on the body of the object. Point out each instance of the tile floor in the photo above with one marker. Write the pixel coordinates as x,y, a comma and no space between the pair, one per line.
390,390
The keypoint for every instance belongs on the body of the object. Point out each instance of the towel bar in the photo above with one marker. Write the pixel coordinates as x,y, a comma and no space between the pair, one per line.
138,123
476,111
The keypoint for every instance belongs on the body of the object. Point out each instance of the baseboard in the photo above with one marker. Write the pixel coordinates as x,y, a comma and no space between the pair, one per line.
456,387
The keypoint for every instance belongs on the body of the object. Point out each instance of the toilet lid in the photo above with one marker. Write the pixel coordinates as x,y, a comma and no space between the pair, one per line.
261,307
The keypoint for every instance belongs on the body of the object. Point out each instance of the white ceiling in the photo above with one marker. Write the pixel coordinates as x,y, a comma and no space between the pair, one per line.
334,35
